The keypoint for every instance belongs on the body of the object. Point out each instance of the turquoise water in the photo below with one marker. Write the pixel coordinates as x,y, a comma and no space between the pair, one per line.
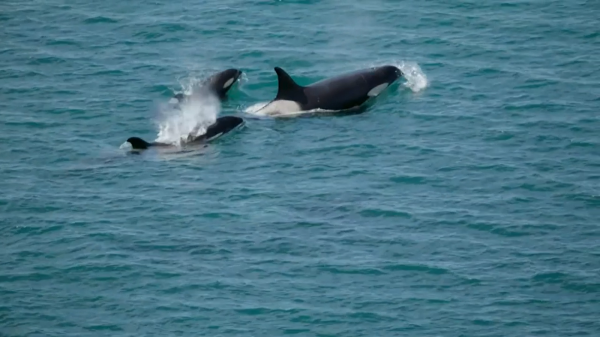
465,202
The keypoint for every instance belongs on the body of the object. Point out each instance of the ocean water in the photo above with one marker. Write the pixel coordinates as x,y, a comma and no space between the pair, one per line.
465,202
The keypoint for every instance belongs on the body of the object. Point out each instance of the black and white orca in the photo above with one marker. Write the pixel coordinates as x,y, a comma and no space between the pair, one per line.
342,92
220,127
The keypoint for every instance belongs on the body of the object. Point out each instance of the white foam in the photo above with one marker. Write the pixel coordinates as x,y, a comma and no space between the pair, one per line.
125,146
416,80
228,83
192,116
191,82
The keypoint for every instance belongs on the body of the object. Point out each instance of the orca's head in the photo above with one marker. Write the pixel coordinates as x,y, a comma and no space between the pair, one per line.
230,76
391,72
381,78
222,126
138,143
223,81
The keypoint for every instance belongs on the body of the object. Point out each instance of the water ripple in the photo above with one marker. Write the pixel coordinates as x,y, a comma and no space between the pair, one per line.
463,202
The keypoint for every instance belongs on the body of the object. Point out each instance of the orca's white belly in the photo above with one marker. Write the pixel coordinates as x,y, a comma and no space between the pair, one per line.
279,108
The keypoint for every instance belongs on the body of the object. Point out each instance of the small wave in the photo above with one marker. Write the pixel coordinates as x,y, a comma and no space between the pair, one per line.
99,19
383,213
416,268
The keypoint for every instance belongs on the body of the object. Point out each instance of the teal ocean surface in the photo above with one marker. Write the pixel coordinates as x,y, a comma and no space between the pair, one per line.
464,202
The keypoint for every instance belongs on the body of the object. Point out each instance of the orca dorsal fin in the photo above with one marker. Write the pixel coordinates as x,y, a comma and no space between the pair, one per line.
288,89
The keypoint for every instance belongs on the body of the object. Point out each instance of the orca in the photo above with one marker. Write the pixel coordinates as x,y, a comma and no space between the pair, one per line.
220,127
343,92
218,84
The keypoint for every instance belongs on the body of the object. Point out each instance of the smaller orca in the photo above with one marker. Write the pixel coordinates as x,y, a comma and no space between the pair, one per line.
217,84
343,92
220,127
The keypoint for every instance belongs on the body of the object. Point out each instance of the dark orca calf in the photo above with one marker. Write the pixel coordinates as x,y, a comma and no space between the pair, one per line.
339,93
220,127
218,84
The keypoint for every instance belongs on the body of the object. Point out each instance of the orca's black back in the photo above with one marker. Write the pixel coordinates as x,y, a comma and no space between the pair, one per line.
221,126
350,90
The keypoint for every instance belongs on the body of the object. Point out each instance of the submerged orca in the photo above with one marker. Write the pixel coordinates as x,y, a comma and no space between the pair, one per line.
220,127
217,84
338,93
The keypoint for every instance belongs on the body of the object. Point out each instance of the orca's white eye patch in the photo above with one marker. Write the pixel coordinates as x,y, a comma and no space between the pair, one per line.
377,90
228,83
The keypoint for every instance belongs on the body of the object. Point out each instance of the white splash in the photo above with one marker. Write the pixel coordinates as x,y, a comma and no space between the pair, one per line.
125,146
192,81
190,117
416,80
